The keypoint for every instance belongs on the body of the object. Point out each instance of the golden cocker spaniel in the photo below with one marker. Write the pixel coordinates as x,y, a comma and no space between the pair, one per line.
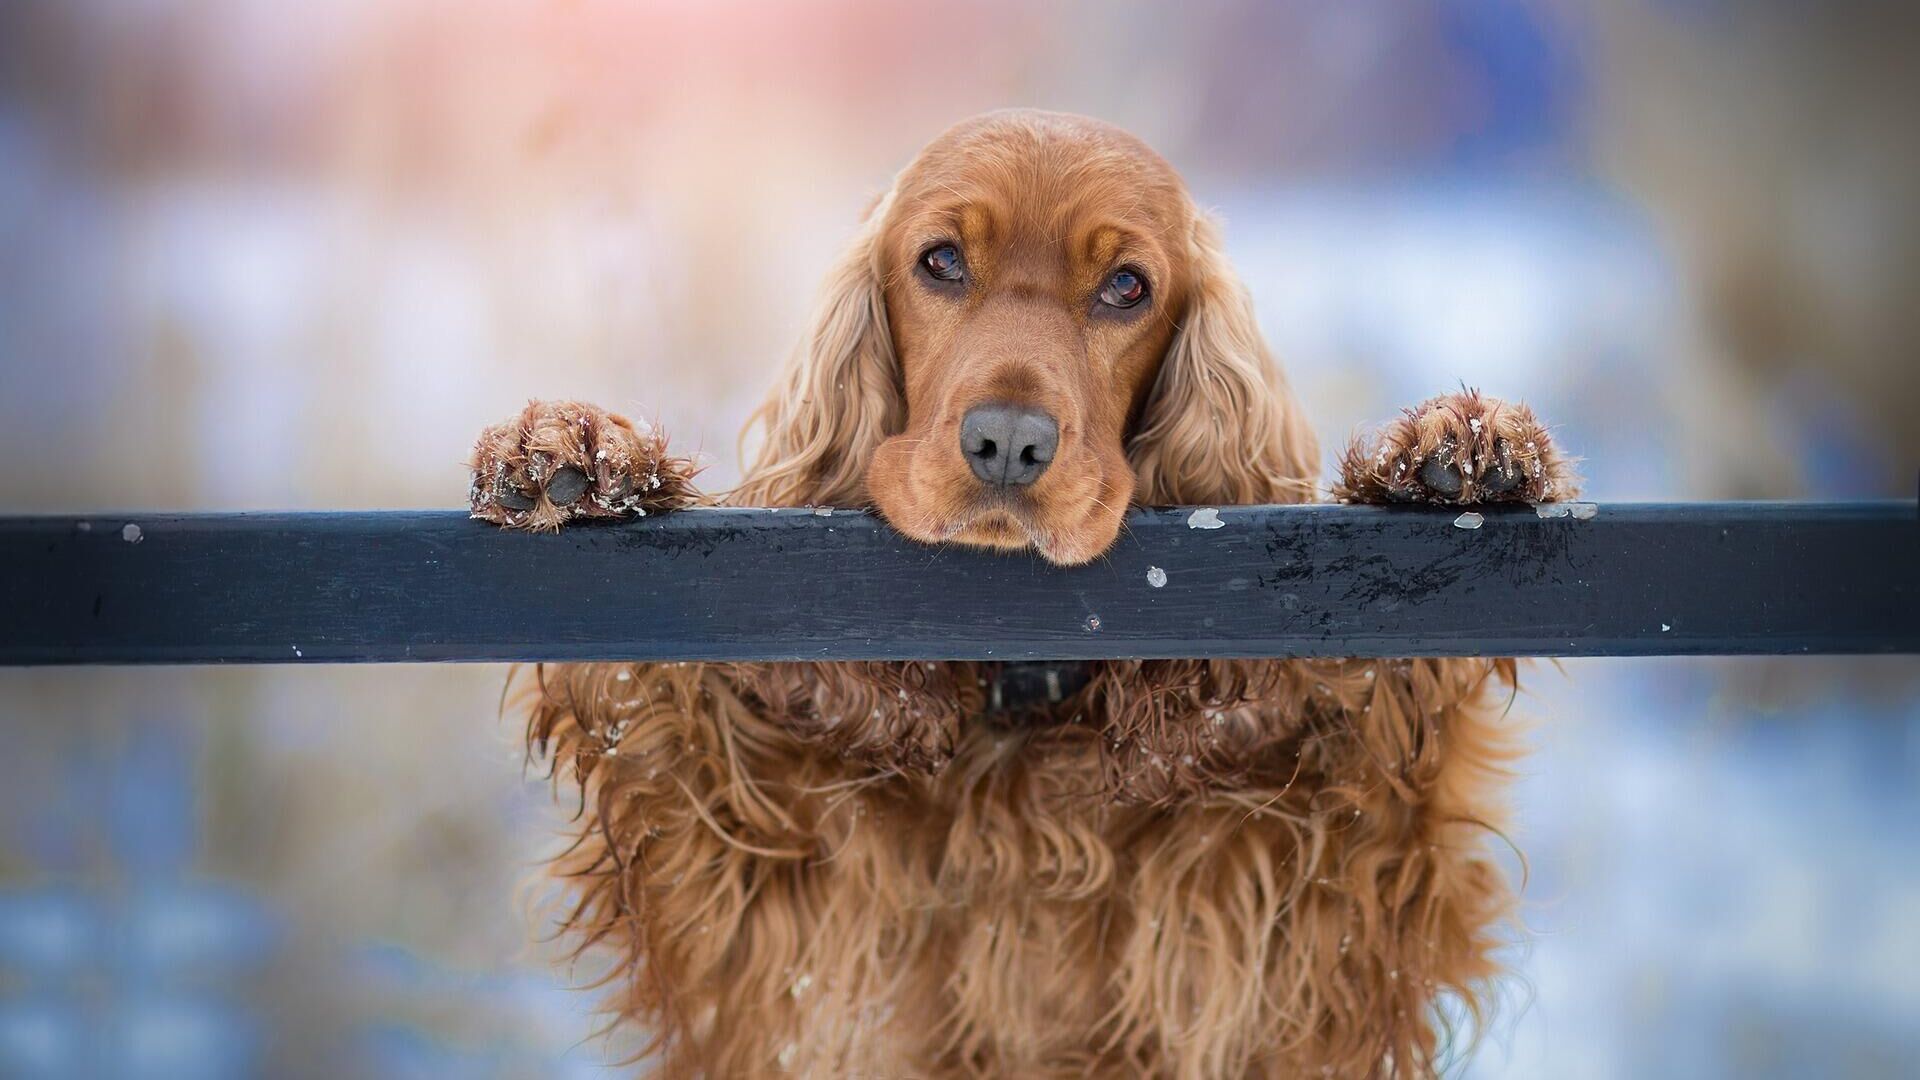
1185,867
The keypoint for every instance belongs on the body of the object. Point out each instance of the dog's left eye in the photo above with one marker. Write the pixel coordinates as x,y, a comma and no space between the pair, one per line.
943,263
1124,289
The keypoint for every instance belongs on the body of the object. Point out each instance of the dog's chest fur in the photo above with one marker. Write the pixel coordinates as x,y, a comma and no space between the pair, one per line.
991,921
783,907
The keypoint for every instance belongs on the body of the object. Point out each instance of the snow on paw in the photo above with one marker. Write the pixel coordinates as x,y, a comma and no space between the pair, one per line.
1458,449
562,461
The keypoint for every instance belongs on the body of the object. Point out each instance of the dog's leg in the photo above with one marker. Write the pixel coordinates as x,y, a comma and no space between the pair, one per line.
758,917
559,461
1458,449
1428,745
674,850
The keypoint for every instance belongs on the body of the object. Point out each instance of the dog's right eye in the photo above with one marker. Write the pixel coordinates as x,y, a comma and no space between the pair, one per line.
943,263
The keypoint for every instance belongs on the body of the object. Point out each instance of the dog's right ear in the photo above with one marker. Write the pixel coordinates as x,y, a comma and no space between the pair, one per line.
1221,425
840,394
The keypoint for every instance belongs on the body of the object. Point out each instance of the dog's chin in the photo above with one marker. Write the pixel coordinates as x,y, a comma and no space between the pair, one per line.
998,529
1001,526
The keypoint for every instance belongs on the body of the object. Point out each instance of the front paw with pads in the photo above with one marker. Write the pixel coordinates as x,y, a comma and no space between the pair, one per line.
1458,449
561,461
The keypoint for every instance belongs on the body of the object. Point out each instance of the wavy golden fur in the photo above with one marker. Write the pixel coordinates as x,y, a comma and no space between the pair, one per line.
1190,868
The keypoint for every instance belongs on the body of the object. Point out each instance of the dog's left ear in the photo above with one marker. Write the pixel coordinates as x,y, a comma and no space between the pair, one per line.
839,396
1221,425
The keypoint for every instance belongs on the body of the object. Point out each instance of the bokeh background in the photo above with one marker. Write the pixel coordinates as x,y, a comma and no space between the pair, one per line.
266,255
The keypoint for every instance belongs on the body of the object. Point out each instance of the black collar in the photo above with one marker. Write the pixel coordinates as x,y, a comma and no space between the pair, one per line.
1036,684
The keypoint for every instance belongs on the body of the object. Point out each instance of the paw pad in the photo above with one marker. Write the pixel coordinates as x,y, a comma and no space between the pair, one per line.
562,461
1458,449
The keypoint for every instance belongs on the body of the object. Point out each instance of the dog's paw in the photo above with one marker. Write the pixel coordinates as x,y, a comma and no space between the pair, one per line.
1457,449
560,461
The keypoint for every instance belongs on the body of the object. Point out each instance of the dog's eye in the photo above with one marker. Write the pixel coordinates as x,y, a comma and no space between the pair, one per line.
943,263
1124,289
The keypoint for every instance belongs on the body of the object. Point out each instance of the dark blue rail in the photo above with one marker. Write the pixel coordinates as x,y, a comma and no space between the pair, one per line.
1606,580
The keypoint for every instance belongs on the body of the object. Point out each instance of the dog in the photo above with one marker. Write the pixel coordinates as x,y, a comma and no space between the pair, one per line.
1183,867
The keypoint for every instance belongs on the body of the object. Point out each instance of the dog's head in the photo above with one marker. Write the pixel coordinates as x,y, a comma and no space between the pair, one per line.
1034,328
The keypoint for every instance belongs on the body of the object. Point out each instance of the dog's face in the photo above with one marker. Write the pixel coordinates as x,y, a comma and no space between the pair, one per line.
1033,269
1033,329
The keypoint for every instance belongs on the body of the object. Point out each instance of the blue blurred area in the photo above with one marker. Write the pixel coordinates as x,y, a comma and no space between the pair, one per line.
124,961
262,256
122,955
1528,77
1728,892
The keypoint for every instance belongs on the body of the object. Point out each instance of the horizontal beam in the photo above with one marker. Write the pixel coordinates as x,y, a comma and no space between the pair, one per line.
1608,580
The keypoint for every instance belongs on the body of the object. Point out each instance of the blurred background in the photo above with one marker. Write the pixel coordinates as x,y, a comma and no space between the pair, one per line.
261,255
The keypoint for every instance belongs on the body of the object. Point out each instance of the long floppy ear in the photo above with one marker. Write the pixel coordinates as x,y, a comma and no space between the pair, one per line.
1221,425
839,395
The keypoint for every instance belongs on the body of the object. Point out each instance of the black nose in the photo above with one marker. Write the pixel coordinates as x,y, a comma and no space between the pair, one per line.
1008,445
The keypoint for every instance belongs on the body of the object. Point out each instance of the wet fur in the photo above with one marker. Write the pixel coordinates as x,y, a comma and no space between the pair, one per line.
1211,869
